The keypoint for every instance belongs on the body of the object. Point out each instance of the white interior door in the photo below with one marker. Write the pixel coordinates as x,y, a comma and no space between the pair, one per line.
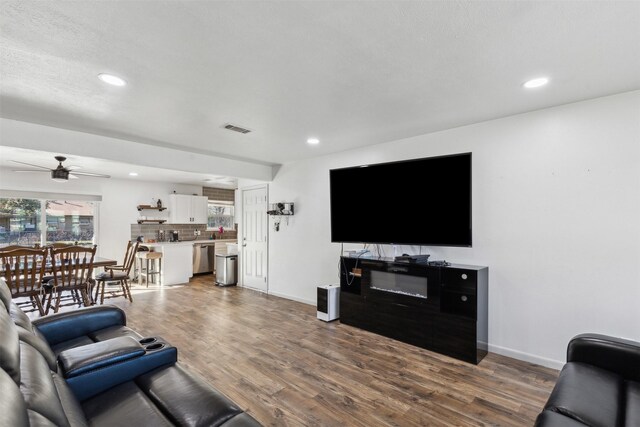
254,238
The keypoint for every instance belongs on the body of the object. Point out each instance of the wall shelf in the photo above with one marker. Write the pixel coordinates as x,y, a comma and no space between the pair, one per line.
152,221
150,208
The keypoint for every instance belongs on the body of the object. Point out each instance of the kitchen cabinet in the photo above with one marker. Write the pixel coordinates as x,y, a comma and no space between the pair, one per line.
186,209
199,209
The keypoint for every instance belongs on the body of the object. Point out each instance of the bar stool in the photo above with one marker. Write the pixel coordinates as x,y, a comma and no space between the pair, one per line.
149,270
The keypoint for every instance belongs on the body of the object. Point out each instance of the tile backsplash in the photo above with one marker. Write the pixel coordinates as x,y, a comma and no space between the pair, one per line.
150,231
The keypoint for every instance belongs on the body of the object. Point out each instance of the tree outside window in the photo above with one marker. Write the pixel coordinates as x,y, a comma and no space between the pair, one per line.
19,222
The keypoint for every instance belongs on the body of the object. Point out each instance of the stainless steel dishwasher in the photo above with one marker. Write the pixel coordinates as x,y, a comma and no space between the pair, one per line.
203,257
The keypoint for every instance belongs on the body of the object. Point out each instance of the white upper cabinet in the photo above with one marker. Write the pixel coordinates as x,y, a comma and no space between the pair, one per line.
186,209
199,212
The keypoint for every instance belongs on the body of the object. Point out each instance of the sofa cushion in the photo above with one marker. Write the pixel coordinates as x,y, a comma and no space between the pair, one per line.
61,327
632,407
37,386
553,419
123,405
187,400
9,347
69,403
12,408
91,337
19,317
242,420
36,419
587,394
114,332
39,344
5,295
72,343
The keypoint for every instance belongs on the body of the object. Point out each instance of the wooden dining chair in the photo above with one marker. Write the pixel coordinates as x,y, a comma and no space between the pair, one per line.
31,301
73,294
72,268
118,273
23,270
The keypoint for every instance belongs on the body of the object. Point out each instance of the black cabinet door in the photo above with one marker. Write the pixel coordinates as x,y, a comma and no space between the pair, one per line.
455,336
407,323
458,292
460,279
457,302
353,310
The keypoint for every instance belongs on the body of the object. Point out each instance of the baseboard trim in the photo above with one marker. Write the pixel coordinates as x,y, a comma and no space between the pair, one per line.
527,357
291,297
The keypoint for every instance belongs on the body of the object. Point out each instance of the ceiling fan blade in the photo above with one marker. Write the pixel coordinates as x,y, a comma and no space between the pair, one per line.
72,176
28,170
74,168
97,175
29,164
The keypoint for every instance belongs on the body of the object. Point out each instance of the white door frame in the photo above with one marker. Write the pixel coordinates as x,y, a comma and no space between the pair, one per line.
241,233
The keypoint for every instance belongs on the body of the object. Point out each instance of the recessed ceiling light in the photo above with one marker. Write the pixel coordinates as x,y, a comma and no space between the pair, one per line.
133,173
533,83
313,141
111,79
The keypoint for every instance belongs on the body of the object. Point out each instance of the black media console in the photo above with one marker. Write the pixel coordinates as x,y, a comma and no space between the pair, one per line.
443,309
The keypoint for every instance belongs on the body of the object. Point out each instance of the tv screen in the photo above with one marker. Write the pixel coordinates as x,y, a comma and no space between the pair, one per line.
415,202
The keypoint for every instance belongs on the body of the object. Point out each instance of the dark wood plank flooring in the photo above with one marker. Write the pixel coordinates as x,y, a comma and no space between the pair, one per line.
286,368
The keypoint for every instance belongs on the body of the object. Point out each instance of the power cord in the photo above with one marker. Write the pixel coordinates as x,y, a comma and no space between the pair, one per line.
342,263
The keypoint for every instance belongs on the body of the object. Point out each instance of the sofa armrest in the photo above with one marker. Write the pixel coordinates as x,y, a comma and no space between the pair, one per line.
92,369
610,353
61,327
81,360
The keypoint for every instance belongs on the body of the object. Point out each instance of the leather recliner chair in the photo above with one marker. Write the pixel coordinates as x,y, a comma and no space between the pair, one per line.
598,387
40,361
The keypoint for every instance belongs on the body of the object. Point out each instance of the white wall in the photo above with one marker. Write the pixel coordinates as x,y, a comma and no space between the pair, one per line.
556,217
117,209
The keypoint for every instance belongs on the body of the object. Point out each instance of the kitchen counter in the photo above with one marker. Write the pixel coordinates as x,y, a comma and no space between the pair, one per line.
177,258
189,242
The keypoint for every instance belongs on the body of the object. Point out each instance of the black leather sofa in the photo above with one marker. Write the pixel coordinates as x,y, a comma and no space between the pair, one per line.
598,387
86,367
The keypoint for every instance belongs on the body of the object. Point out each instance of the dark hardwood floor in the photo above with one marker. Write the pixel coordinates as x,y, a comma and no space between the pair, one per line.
286,368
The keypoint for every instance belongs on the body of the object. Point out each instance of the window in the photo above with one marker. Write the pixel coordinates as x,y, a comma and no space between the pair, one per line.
22,221
69,221
220,214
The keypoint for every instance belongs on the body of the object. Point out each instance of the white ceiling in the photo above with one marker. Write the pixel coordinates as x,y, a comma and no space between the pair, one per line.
114,169
350,73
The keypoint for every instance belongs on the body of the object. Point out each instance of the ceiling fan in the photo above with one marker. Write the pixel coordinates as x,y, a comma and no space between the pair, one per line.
61,173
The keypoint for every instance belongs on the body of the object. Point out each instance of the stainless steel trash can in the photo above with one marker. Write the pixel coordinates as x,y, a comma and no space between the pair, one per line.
226,269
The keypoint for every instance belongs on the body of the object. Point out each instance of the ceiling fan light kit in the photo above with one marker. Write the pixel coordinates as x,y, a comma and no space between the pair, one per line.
60,175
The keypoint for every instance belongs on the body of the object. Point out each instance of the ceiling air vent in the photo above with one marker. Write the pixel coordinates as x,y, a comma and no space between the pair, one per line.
236,128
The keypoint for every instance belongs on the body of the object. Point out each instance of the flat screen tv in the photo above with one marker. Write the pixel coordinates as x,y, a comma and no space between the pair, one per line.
414,202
